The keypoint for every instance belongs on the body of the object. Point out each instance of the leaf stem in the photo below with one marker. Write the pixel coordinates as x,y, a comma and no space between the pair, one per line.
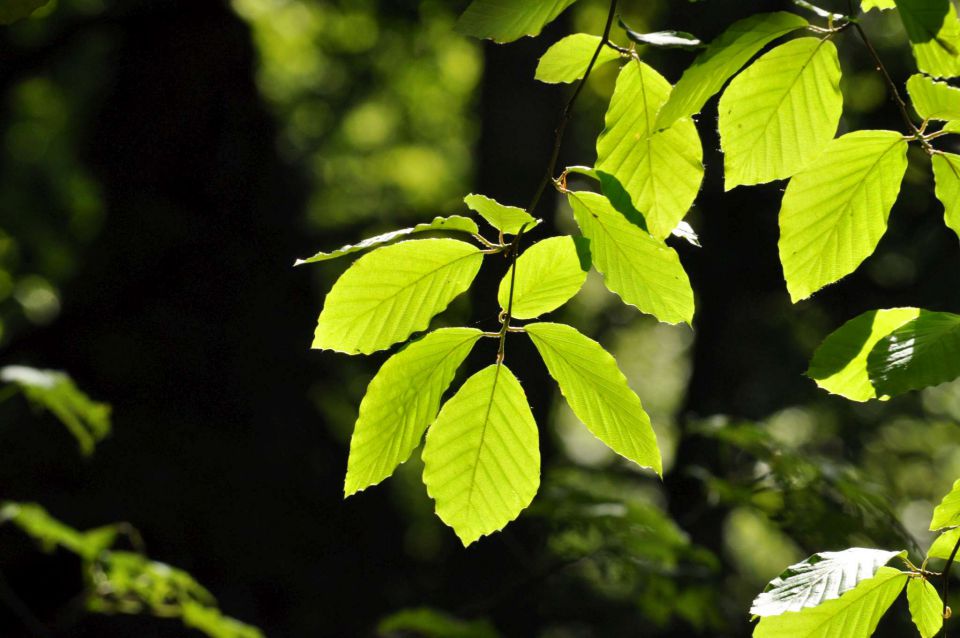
506,316
946,583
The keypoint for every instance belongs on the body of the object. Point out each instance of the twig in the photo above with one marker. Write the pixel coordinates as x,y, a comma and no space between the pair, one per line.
946,583
505,318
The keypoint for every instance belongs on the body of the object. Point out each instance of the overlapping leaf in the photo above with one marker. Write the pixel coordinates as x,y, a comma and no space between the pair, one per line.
934,33
943,544
822,577
456,223
394,291
401,401
662,170
934,100
946,172
921,353
509,20
926,607
549,274
835,211
721,60
597,392
646,273
781,112
567,60
947,512
482,455
839,365
507,219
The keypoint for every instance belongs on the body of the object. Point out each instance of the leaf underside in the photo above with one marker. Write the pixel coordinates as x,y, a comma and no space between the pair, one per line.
926,607
549,273
934,100
507,219
567,60
946,172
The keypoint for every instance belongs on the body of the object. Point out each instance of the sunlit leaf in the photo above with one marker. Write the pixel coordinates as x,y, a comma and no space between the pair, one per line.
597,392
455,223
926,607
507,219
943,544
482,455
921,353
509,20
835,211
549,274
947,512
946,172
839,365
883,5
934,100
780,113
394,291
401,401
567,60
934,33
14,10
662,170
721,60
646,273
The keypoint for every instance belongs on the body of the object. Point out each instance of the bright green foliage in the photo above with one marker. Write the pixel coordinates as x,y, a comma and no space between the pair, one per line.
952,127
781,112
947,513
835,211
456,223
943,544
934,33
212,622
853,615
567,60
394,291
918,354
87,420
661,171
822,577
721,60
934,100
507,219
646,273
509,20
51,533
14,10
428,623
597,392
946,172
549,274
401,401
482,455
883,5
926,607
839,365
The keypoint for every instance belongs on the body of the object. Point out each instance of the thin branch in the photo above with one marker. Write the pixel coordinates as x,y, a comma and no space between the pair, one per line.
505,318
946,583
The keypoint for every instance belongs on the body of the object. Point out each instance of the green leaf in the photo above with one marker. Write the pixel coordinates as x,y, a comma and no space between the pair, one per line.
15,10
883,5
401,401
428,623
934,34
926,607
661,171
597,392
943,544
456,223
394,291
51,533
947,513
835,211
646,273
822,577
567,60
920,353
507,219
663,39
509,20
213,623
87,420
839,365
933,100
781,112
946,172
854,615
549,274
721,60
952,127
482,455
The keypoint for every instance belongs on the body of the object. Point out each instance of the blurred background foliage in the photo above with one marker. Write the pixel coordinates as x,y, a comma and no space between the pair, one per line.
163,163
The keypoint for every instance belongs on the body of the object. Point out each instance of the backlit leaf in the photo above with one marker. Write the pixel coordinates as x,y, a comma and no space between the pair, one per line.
926,607
946,172
509,20
835,211
883,5
567,60
921,353
934,100
394,291
507,219
934,33
947,512
549,274
943,544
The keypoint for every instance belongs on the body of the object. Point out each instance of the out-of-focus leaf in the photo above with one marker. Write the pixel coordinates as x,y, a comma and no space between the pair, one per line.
51,533
429,623
14,10
883,5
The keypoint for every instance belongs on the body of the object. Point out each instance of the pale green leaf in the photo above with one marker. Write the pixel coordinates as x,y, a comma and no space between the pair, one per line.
943,544
947,513
839,365
482,455
87,420
721,60
781,112
567,60
394,291
822,577
14,10
934,33
507,219
509,20
934,100
661,171
946,172
401,401
926,607
51,533
597,392
952,127
549,274
853,615
921,353
883,5
646,273
835,211
456,223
